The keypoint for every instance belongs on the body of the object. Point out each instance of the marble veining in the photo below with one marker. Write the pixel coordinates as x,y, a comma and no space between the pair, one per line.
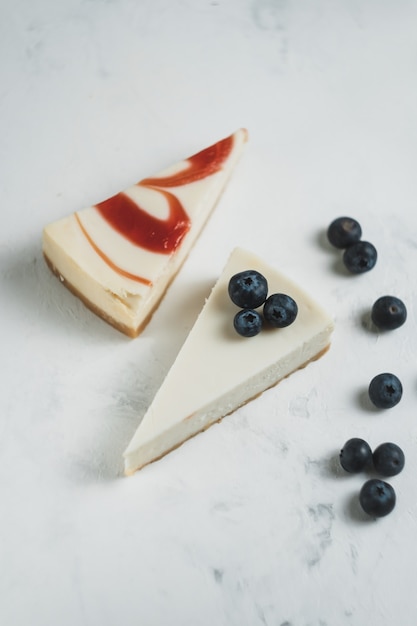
322,516
271,14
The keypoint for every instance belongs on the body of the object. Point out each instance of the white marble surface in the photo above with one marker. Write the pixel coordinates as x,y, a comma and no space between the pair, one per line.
251,523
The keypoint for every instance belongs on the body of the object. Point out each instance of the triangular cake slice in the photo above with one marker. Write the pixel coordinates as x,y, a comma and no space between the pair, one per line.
120,255
217,370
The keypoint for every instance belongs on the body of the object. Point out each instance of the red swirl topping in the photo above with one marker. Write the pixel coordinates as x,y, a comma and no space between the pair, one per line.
142,229
200,165
109,262
151,233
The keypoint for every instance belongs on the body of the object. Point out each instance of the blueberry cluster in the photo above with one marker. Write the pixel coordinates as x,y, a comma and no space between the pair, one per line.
345,234
249,291
377,497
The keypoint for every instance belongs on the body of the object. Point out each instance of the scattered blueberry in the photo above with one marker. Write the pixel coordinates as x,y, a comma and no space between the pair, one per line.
377,498
247,322
388,313
248,289
356,455
388,459
280,310
385,390
343,232
360,257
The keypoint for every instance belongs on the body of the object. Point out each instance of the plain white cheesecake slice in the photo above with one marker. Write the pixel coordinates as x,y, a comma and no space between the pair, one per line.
217,370
120,255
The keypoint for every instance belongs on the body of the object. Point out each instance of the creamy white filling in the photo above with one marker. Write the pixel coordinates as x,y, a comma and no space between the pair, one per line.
217,371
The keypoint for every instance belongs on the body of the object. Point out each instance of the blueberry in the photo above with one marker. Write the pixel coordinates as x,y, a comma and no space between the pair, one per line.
247,322
388,459
360,257
248,289
385,390
344,231
280,310
388,313
377,498
356,455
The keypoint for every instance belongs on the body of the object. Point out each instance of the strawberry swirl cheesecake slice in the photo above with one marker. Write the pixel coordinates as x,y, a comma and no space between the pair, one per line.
120,255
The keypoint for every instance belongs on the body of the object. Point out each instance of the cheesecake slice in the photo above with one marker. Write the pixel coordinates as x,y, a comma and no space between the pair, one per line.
120,255
217,370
